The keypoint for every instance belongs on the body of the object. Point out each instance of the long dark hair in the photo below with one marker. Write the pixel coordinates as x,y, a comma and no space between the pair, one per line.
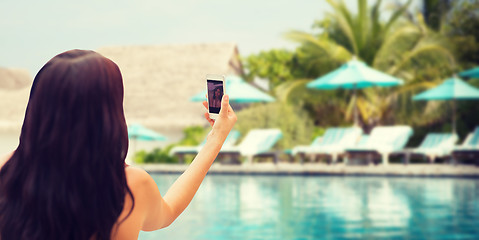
66,179
221,92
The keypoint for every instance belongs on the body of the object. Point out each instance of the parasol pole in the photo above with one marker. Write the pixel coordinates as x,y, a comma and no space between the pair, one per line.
453,116
354,58
355,106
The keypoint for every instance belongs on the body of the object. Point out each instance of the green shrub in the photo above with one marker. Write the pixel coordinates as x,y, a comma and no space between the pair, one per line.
193,135
156,156
295,124
317,131
140,156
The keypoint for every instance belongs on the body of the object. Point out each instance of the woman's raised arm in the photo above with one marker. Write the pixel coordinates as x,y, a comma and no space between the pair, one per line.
165,210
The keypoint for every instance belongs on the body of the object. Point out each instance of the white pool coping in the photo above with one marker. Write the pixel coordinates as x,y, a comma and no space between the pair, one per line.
411,170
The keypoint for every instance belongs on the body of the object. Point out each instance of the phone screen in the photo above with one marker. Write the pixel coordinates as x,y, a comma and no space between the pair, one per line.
215,94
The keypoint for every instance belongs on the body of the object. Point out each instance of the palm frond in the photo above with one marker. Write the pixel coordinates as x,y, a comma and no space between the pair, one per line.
375,21
415,87
395,16
425,48
283,91
321,53
346,23
363,23
395,44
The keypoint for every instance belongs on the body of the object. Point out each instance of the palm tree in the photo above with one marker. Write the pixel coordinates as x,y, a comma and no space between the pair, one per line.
402,46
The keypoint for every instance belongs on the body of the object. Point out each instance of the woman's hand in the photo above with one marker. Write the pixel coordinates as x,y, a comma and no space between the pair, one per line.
226,118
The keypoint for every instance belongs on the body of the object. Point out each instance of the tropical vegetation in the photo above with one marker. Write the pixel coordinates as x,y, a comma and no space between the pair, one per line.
421,47
193,136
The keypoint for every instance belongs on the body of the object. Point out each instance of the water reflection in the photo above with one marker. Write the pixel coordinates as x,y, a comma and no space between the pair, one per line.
387,208
293,207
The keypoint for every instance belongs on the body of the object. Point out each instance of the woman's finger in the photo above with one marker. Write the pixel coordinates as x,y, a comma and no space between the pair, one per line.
205,103
211,121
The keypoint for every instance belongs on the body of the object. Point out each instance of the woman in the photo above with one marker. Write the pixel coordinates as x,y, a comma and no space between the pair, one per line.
67,179
217,95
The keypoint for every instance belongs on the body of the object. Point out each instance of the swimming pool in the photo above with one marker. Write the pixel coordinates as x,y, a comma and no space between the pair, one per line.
312,207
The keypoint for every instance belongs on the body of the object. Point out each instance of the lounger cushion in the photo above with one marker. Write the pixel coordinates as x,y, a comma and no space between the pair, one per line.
386,139
230,140
471,143
255,142
336,140
437,144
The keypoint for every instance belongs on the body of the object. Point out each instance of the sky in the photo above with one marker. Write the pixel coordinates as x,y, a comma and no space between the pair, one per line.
32,32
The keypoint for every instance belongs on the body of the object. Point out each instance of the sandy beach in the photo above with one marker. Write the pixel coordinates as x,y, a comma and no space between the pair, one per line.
9,142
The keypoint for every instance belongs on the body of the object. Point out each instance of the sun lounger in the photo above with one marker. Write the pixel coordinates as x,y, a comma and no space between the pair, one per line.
363,140
361,143
469,150
257,143
332,144
301,149
381,143
181,151
433,146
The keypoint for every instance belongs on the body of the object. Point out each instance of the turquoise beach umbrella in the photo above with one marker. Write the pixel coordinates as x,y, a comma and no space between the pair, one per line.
139,132
354,75
471,73
451,89
239,91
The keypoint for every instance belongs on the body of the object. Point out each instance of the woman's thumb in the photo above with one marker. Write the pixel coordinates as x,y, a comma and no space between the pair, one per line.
225,102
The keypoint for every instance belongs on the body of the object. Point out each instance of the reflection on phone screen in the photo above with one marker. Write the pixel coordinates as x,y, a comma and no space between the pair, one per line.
215,93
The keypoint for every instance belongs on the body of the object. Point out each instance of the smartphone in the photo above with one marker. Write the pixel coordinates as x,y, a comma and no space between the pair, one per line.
215,88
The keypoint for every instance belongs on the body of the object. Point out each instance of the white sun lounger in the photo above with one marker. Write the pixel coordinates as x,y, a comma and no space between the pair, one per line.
433,146
469,148
382,142
332,144
181,151
257,143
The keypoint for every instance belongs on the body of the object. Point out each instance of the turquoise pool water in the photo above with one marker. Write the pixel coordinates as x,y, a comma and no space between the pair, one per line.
307,207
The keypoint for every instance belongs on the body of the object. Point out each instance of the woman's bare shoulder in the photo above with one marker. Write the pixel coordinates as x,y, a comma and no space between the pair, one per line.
133,171
5,158
138,177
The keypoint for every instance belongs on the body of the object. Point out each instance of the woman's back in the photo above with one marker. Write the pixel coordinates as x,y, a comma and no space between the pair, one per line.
129,223
131,220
